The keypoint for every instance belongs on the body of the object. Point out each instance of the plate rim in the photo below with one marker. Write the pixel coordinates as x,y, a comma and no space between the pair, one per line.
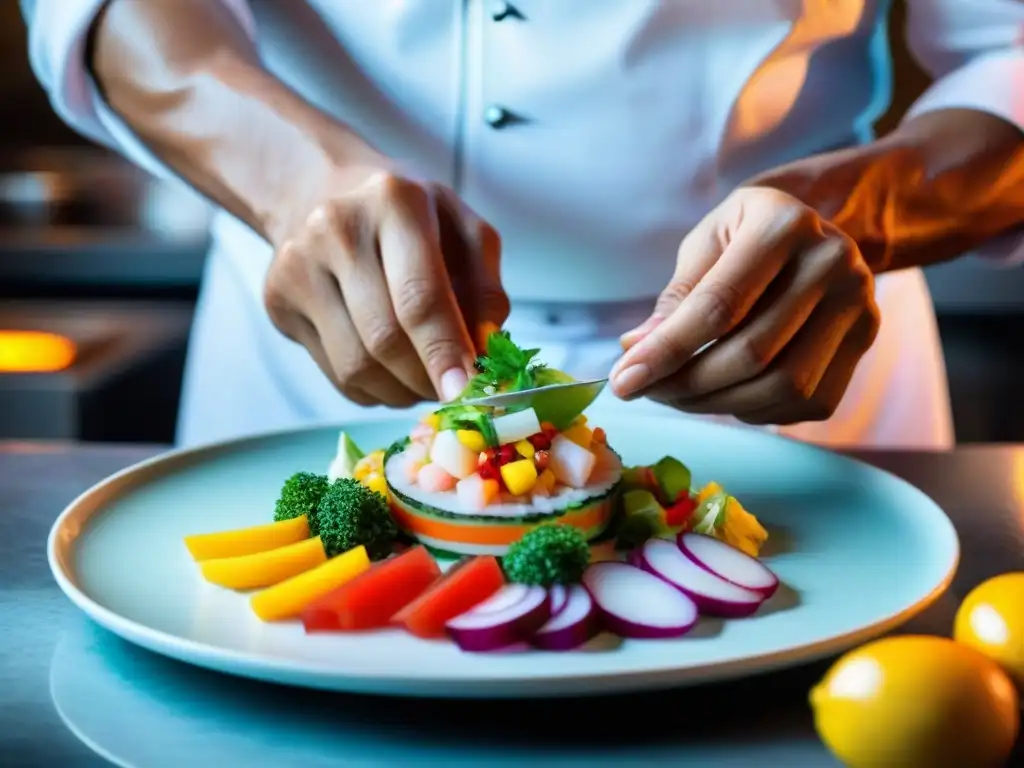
96,498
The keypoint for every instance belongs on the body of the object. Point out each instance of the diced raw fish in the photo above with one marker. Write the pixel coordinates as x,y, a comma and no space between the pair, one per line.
433,479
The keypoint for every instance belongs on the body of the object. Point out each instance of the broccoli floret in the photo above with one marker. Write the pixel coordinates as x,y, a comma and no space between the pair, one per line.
350,514
300,495
549,554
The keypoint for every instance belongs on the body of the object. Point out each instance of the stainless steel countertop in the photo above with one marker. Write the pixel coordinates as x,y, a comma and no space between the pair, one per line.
61,676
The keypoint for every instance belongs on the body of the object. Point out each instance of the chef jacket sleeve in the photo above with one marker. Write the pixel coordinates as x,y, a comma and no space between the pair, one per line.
975,52
57,34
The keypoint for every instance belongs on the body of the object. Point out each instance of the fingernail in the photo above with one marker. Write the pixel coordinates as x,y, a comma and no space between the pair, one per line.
452,383
632,379
631,337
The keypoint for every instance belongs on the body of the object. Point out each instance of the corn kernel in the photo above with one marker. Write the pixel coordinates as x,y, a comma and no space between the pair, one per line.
519,476
433,421
472,440
525,449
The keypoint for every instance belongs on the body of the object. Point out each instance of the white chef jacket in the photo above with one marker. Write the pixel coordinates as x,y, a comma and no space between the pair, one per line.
593,136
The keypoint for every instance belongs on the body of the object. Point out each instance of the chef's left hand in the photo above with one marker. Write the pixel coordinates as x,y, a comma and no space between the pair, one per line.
785,295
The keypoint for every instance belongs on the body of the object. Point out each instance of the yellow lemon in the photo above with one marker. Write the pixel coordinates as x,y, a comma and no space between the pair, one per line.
991,619
916,701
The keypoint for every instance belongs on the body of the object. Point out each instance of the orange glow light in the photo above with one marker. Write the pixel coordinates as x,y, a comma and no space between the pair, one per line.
35,352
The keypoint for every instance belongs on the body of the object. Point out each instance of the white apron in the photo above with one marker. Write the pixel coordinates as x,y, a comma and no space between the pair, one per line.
593,135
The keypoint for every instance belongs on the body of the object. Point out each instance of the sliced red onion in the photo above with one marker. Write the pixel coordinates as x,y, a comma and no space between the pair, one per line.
713,595
634,603
512,615
571,627
559,597
726,561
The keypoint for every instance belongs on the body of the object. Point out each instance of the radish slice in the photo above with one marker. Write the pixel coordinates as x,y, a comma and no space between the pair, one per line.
510,616
713,595
559,597
731,564
571,627
634,603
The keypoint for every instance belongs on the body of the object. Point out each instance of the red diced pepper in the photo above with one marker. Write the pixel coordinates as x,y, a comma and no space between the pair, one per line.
679,513
540,441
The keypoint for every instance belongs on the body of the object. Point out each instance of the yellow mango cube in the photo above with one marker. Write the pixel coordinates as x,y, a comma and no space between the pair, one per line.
579,434
471,439
519,476
378,484
525,449
546,480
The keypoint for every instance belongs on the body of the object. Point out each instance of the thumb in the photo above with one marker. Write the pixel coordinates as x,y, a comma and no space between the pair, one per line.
697,254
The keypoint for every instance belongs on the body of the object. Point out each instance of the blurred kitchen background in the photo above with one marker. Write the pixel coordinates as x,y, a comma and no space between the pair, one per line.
94,251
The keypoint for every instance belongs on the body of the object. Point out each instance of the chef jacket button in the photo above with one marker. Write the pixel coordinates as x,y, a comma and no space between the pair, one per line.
501,11
497,117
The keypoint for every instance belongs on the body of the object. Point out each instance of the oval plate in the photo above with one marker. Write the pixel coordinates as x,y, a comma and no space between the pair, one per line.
859,552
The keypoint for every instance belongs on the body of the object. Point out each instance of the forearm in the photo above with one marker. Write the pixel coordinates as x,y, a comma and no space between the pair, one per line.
185,78
940,185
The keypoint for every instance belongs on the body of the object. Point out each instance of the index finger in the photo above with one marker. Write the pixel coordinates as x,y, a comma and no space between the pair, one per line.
716,305
422,295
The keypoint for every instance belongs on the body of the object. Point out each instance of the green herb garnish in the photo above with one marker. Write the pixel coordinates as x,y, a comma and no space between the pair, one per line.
506,367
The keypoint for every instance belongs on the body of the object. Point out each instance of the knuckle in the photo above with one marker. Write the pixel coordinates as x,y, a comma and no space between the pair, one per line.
437,352
753,356
399,190
384,340
673,295
320,220
721,305
354,371
351,229
785,388
417,302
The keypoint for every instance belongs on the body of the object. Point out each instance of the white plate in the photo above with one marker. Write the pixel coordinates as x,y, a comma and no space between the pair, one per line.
859,552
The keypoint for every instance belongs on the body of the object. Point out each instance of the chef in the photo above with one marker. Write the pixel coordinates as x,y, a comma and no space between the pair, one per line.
634,179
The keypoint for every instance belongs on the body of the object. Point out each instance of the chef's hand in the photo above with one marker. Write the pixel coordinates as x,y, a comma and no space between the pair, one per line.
387,282
788,300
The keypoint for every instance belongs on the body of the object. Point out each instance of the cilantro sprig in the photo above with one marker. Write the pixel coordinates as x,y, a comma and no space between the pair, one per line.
506,367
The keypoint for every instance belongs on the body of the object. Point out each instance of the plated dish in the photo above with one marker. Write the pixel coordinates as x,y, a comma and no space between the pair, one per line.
550,539
856,552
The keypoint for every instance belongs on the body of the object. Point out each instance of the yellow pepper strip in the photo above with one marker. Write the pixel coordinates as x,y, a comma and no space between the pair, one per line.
287,599
264,569
247,541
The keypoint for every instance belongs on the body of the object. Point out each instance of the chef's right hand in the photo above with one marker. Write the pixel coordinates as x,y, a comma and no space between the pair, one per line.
389,284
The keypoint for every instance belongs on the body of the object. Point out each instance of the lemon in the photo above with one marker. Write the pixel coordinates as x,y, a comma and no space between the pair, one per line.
916,701
991,619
